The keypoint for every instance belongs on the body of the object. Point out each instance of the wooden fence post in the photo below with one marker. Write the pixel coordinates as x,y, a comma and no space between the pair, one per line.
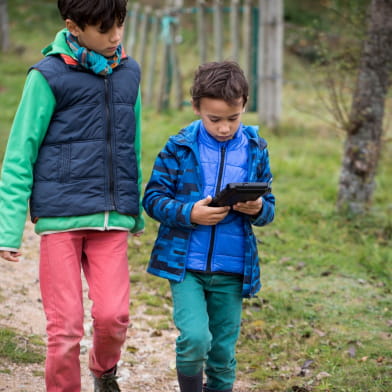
270,65
155,25
132,28
170,64
247,38
166,68
218,31
143,35
234,30
253,57
278,62
178,93
201,30
4,35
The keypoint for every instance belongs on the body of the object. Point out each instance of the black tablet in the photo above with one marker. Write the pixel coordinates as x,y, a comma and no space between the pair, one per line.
240,191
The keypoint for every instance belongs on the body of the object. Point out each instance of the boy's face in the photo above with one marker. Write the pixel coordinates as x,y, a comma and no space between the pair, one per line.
94,39
220,119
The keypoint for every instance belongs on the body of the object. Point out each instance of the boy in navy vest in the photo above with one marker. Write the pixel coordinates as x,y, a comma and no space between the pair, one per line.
209,254
74,153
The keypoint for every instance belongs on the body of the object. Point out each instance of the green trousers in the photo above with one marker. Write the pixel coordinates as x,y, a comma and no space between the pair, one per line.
207,312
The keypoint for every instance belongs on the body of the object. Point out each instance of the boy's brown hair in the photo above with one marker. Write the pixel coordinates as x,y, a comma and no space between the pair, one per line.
220,80
93,12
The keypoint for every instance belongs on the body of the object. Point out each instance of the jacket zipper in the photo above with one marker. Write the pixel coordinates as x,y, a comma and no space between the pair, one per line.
217,189
109,144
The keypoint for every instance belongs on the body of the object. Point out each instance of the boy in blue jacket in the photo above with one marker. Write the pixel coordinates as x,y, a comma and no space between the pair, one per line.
74,152
209,254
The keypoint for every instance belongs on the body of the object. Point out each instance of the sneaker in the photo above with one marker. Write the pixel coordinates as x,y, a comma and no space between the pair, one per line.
106,383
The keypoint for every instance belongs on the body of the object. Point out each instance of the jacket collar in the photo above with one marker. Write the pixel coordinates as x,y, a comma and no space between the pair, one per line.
188,136
205,138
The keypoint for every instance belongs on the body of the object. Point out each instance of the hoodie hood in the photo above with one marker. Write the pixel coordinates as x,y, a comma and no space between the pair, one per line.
59,46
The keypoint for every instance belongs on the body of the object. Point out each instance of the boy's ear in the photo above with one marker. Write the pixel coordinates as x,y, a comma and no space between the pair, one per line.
195,109
244,109
72,27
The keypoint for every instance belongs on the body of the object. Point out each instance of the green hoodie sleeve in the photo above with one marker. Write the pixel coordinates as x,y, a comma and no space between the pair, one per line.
139,221
27,133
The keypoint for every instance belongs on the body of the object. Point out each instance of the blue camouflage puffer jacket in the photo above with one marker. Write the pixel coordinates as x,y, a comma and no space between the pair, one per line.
176,185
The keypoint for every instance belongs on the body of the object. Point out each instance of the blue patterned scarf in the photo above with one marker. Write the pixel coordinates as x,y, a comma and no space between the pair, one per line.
94,61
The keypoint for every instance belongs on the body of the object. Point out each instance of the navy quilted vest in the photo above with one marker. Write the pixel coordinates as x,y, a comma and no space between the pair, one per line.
87,161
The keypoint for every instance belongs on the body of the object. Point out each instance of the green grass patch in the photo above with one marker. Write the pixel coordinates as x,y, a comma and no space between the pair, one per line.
303,327
20,349
322,320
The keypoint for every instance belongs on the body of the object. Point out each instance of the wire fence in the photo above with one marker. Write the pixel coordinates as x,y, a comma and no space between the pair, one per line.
167,40
249,32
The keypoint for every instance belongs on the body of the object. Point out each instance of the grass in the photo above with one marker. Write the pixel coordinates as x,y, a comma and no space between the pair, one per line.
20,349
323,320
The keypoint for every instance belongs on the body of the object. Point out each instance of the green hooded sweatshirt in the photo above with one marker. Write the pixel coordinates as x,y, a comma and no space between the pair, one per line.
28,131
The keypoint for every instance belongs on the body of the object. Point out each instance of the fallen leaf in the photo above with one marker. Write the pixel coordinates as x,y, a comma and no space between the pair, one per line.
305,368
172,365
352,351
307,364
300,265
322,375
132,349
257,325
279,235
319,333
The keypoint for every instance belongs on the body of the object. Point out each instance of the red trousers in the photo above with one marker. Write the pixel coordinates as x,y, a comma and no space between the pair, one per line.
103,258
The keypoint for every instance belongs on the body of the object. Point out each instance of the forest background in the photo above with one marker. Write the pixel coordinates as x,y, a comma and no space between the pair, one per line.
323,320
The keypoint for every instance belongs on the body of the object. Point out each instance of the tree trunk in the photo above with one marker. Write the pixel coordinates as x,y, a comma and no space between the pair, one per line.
4,36
364,133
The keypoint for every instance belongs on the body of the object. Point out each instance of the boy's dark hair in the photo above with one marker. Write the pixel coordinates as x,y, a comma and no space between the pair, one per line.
221,80
92,12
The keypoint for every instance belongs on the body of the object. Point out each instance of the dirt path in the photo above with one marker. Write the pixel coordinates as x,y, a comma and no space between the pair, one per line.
148,361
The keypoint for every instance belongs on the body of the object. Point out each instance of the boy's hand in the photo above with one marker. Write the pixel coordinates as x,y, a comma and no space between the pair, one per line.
202,214
10,256
252,207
